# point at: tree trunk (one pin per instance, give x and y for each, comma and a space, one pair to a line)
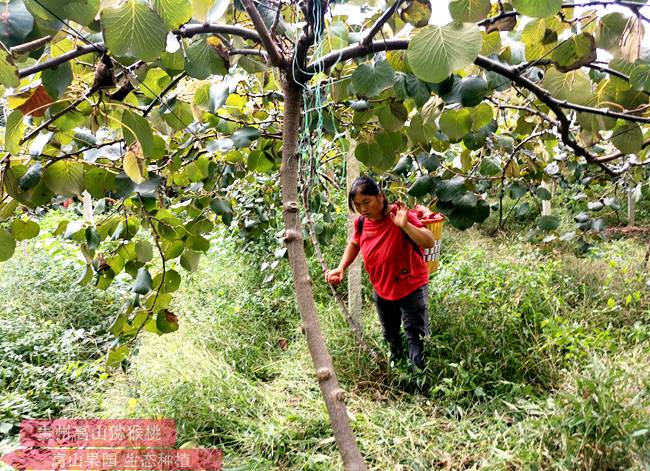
329, 385
354, 272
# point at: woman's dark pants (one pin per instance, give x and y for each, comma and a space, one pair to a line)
412, 310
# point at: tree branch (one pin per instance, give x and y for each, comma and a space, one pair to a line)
275, 56
618, 155
367, 40
171, 85
186, 31
30, 46
63, 58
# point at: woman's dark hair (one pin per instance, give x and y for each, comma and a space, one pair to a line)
365, 185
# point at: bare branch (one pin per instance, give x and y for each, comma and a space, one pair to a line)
528, 109
63, 58
275, 56
367, 40
186, 31
30, 46
618, 155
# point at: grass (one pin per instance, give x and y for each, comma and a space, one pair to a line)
537, 359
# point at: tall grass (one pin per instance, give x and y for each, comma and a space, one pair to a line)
537, 359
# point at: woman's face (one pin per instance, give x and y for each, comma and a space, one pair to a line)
369, 206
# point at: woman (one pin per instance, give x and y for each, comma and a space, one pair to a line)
389, 237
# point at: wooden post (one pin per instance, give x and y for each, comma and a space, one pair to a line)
87, 207
354, 270
546, 205
631, 207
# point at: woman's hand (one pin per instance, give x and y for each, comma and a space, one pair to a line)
335, 276
400, 219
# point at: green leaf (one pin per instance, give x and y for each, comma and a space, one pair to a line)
166, 322
421, 186
456, 123
610, 30
99, 181
260, 161
469, 11
573, 86
8, 70
134, 29
540, 37
489, 167
640, 77
144, 251
16, 23
537, 8
370, 80
575, 52
190, 260
482, 115
244, 137
543, 194
14, 131
7, 245
174, 12
198, 242
202, 61
436, 51
416, 12
79, 11
23, 230
135, 127
472, 90
171, 283
627, 137
57, 80
65, 177
548, 223
450, 189
143, 281
115, 357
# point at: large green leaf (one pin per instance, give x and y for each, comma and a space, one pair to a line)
174, 12
640, 77
578, 50
99, 181
370, 80
7, 245
134, 29
469, 11
65, 177
540, 37
456, 123
57, 80
610, 30
436, 51
23, 230
14, 130
573, 86
16, 22
627, 137
143, 281
8, 70
79, 11
537, 8
202, 60
135, 127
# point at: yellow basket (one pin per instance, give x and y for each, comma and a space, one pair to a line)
432, 255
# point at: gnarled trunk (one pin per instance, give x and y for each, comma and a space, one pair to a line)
332, 393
